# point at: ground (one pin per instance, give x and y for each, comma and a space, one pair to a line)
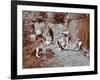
54, 58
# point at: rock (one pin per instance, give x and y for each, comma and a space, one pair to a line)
83, 31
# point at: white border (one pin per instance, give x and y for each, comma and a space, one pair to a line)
21, 71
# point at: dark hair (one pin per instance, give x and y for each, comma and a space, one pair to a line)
39, 36
51, 33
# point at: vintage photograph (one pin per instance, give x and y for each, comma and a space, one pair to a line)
55, 39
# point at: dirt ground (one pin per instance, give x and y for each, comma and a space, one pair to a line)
53, 58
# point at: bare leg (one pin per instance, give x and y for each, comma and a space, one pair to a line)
37, 53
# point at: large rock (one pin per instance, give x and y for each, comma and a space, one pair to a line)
83, 31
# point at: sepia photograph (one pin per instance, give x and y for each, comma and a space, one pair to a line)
55, 39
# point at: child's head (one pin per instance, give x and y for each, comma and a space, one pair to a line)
78, 39
39, 38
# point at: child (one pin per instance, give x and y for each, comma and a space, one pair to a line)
77, 44
64, 41
49, 36
39, 45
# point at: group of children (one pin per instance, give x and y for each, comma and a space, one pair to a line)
64, 42
45, 37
